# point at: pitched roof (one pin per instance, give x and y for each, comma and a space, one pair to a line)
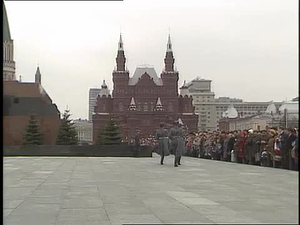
20, 106
140, 71
33, 90
290, 106
271, 109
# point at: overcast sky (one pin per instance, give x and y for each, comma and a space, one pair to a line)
248, 48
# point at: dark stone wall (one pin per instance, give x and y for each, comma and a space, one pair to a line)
90, 150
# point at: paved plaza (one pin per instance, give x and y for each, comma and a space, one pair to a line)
112, 191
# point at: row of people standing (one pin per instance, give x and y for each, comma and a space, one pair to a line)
275, 147
171, 141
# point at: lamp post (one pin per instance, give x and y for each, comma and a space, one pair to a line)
285, 117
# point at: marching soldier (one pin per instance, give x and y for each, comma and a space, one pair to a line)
180, 150
137, 143
172, 134
162, 138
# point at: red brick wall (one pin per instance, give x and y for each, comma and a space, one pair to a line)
14, 127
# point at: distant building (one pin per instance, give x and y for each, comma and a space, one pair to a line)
286, 116
211, 109
21, 100
93, 93
144, 100
256, 122
84, 130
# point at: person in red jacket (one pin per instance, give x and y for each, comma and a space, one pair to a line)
240, 145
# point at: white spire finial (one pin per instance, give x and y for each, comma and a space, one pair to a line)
132, 105
103, 85
132, 102
158, 106
120, 46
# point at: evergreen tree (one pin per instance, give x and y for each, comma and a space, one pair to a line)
100, 140
111, 135
33, 135
67, 134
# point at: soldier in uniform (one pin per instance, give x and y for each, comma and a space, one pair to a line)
137, 143
180, 148
172, 135
162, 138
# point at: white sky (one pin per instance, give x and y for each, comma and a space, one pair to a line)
249, 48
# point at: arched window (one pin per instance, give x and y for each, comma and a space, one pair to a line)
103, 106
171, 109
152, 106
146, 108
139, 106
121, 108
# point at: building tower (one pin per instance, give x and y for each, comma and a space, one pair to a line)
9, 67
184, 90
120, 74
121, 60
169, 59
104, 90
38, 76
169, 76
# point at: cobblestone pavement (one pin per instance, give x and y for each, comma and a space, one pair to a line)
112, 191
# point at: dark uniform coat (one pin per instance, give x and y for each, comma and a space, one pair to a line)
172, 136
162, 138
180, 148
249, 148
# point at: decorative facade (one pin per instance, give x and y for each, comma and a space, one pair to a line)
9, 66
143, 100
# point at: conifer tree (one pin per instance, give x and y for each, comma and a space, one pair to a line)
32, 136
111, 135
67, 134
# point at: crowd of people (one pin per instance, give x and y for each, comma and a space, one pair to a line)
273, 147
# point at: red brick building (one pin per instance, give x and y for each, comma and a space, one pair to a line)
23, 100
143, 100
20, 102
